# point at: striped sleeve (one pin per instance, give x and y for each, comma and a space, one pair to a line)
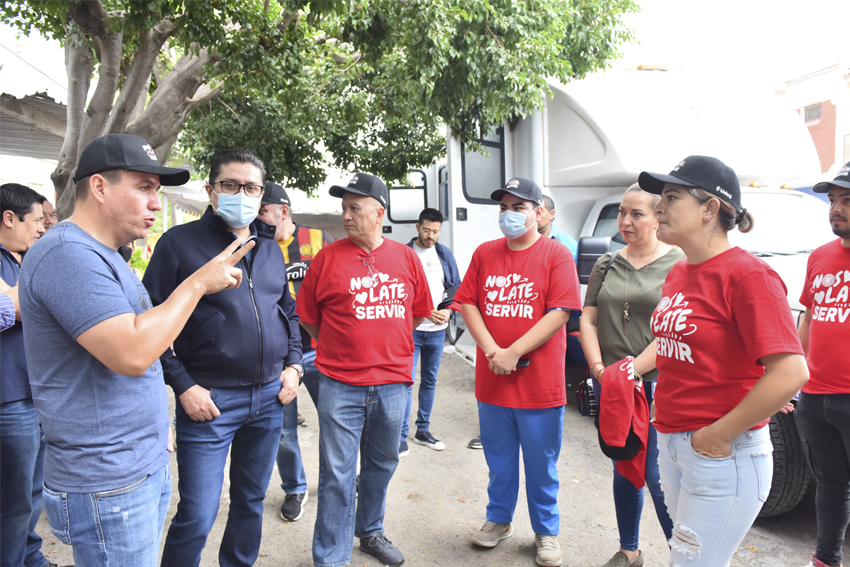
7, 312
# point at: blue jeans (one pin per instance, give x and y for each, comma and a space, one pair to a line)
538, 432
628, 500
289, 464
352, 417
22, 457
430, 345
115, 528
825, 420
713, 502
249, 427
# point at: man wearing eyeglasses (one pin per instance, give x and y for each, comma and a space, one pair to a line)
361, 299
442, 275
233, 367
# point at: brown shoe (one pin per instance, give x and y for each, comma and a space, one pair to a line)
621, 560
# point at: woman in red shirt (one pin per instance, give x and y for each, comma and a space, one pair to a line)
728, 357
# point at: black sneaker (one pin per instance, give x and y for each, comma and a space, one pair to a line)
403, 449
381, 548
425, 438
475, 443
293, 507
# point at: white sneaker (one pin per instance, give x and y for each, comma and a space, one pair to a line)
548, 550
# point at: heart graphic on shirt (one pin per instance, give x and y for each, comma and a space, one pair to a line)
383, 277
517, 277
361, 297
819, 296
492, 295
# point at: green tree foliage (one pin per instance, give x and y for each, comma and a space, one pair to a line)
368, 83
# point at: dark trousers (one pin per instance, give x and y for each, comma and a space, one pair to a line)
825, 420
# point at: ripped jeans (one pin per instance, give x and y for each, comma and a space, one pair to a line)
713, 502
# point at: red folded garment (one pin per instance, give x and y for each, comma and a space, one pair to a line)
623, 407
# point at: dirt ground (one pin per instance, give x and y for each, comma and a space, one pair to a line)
437, 500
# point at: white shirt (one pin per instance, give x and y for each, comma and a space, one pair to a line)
436, 281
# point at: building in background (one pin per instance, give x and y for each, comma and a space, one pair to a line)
822, 98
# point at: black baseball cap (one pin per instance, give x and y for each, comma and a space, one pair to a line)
274, 194
703, 172
841, 180
364, 184
126, 151
522, 188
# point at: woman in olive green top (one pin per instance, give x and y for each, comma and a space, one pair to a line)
614, 325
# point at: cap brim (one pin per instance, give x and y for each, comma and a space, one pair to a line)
168, 176
655, 182
499, 193
825, 186
338, 191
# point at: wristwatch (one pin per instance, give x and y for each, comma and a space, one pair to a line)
298, 368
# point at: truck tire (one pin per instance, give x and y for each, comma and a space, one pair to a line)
454, 332
791, 472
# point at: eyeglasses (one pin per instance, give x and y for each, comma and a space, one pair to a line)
372, 273
232, 188
429, 232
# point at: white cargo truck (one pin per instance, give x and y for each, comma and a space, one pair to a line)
591, 141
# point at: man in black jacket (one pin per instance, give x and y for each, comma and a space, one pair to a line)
234, 365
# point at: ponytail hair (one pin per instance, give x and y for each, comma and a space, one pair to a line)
727, 218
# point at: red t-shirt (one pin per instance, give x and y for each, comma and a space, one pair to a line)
826, 294
514, 290
715, 321
365, 326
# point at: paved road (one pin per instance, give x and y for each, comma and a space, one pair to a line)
437, 500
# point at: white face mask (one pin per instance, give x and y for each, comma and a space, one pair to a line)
512, 224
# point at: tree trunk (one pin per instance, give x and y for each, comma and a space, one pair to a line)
110, 50
79, 63
167, 107
135, 88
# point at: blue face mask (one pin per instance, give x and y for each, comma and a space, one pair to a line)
238, 210
512, 224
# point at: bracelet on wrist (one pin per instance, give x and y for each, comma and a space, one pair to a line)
600, 369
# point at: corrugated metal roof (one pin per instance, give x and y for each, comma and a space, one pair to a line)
19, 138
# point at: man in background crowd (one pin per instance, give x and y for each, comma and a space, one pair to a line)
823, 410
49, 214
548, 230
299, 245
21, 447
443, 278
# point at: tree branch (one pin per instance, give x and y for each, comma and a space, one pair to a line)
139, 76
203, 94
288, 19
107, 84
356, 59
227, 106
89, 15
499, 41
163, 151
79, 65
340, 59
169, 101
